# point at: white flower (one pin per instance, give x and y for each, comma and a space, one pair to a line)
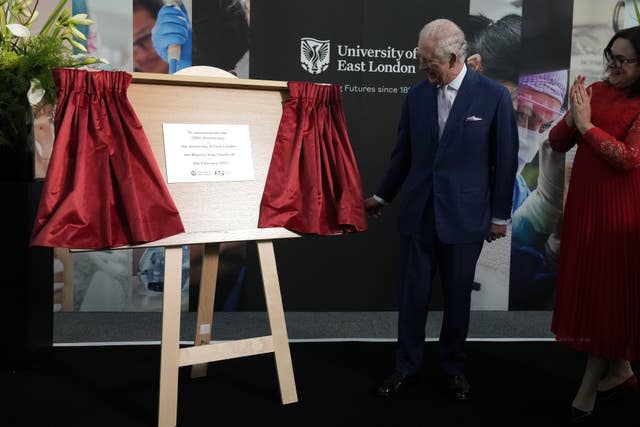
35, 93
19, 30
77, 33
81, 19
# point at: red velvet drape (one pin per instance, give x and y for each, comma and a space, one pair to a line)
103, 187
313, 185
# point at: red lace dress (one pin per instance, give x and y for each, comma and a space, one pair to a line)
598, 296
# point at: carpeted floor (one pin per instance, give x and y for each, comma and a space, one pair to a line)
513, 384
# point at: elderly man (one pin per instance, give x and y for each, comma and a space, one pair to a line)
456, 155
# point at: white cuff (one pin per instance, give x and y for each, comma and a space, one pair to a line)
380, 200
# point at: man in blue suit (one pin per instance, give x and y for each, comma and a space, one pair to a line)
456, 155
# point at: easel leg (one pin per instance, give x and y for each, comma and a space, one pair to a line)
277, 323
204, 324
169, 358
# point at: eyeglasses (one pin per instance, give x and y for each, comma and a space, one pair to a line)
536, 115
617, 61
143, 41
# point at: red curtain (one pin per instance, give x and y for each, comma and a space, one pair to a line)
103, 187
313, 185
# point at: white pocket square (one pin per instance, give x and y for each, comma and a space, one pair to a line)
473, 119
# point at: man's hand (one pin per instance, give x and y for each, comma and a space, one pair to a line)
372, 207
496, 231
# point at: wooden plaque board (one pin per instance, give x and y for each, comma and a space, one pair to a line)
213, 213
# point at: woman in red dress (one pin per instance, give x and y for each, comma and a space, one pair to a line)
597, 307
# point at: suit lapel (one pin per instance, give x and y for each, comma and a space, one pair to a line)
460, 105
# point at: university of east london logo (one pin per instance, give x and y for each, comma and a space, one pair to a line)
314, 54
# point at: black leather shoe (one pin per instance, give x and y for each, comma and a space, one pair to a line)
578, 416
628, 386
395, 383
459, 387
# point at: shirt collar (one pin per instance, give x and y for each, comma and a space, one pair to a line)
457, 82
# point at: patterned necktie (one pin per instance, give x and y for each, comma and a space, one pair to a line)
445, 101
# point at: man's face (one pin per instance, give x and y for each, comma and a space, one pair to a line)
438, 70
536, 110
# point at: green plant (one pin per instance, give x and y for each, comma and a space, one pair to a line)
26, 60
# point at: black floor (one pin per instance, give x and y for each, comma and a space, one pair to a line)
513, 384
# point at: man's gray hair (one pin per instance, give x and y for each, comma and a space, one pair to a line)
449, 39
242, 5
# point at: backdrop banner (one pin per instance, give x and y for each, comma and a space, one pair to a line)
367, 47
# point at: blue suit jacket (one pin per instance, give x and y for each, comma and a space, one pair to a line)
469, 173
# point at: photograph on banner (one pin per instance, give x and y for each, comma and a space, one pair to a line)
538, 222
221, 35
630, 15
111, 280
110, 34
493, 31
537, 209
157, 24
594, 23
110, 43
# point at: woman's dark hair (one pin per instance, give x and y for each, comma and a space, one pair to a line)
633, 35
151, 6
498, 43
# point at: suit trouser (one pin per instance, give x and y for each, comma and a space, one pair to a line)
421, 255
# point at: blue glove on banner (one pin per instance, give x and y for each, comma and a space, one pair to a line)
173, 28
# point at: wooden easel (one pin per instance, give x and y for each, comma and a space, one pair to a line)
214, 213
